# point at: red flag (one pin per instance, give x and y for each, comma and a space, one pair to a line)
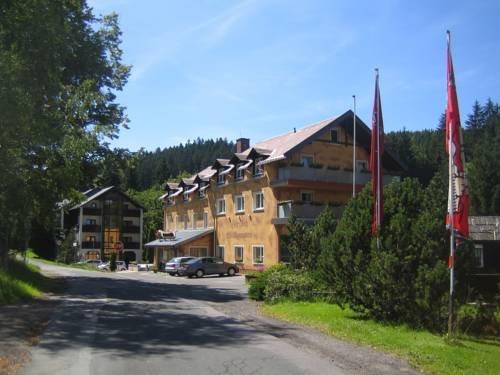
458, 196
376, 152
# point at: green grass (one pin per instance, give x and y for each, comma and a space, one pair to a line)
19, 281
30, 254
424, 350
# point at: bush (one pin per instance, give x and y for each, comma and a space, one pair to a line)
259, 281
290, 284
478, 318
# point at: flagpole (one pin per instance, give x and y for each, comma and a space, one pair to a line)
354, 150
451, 261
378, 161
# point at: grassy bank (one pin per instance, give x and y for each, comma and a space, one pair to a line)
19, 281
424, 350
32, 255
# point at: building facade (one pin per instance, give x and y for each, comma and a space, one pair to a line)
244, 203
106, 222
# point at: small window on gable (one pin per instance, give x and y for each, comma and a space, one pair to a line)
258, 170
240, 173
479, 255
185, 197
220, 206
335, 136
220, 177
307, 160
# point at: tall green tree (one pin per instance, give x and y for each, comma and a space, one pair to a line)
60, 68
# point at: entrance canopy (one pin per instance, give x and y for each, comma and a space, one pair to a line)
181, 237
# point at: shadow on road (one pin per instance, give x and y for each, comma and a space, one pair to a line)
132, 317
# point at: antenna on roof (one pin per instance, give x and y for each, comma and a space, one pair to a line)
295, 130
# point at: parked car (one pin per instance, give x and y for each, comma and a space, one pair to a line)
93, 262
120, 266
207, 266
173, 265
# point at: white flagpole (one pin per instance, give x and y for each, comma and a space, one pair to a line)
354, 150
378, 159
451, 197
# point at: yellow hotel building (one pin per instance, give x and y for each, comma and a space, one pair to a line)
238, 208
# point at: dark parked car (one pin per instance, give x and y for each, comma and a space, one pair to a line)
207, 266
172, 266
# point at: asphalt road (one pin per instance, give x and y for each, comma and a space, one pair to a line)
142, 323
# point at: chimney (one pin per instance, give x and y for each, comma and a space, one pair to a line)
242, 144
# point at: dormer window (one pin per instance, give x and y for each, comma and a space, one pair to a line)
258, 170
240, 173
170, 201
185, 197
220, 177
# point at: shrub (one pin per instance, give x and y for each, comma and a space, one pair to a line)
478, 318
258, 282
290, 284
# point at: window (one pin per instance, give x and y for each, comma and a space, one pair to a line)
205, 219
239, 203
220, 207
258, 201
258, 254
479, 255
362, 165
127, 223
240, 173
127, 239
219, 252
185, 196
90, 222
220, 177
238, 254
258, 170
335, 136
90, 239
306, 196
198, 251
170, 201
307, 160
201, 192
186, 221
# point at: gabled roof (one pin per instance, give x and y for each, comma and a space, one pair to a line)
97, 192
220, 163
181, 237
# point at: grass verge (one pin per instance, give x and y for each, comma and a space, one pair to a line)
424, 350
19, 281
30, 254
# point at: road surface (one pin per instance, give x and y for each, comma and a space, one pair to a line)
143, 323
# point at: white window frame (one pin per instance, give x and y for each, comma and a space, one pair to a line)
240, 174
236, 259
239, 198
255, 201
258, 170
218, 206
479, 255
259, 260
218, 251
202, 194
302, 192
185, 197
221, 179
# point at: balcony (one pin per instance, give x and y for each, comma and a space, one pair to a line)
131, 213
91, 245
303, 211
131, 229
92, 228
91, 211
131, 245
293, 175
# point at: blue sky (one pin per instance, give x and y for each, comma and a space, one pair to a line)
259, 68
